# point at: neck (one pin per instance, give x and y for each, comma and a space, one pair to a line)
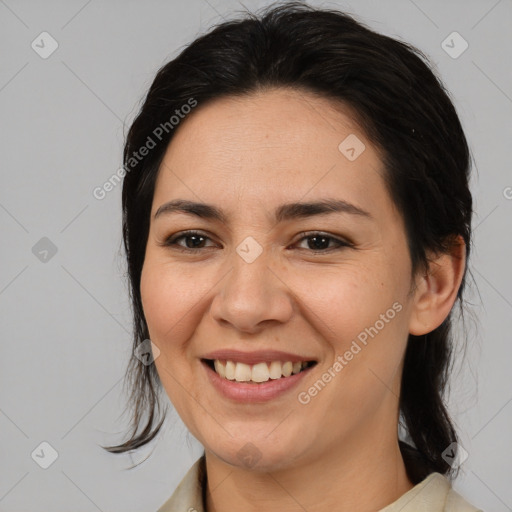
361, 475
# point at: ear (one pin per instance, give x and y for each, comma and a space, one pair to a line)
436, 291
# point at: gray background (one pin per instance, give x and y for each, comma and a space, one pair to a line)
65, 317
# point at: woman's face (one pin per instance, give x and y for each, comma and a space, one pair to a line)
271, 284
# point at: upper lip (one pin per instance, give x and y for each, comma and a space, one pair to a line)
256, 356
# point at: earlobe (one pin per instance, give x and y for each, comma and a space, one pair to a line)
436, 291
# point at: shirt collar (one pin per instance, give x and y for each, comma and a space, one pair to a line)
430, 495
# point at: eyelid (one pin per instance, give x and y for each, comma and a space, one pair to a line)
340, 241
343, 242
170, 240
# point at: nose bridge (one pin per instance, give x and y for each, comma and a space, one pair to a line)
251, 264
250, 293
248, 282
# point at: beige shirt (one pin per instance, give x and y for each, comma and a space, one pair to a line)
433, 494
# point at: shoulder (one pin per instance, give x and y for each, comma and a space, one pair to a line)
456, 503
189, 493
432, 494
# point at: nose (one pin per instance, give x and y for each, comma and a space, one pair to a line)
252, 296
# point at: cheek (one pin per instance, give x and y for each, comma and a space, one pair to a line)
154, 295
343, 301
167, 300
362, 315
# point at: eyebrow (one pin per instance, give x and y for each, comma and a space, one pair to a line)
287, 211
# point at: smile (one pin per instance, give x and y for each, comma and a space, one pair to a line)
257, 373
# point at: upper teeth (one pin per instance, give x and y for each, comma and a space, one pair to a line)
260, 372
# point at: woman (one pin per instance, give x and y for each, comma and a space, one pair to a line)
297, 223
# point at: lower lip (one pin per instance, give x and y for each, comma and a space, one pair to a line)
253, 393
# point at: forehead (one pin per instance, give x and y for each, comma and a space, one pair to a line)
280, 119
270, 147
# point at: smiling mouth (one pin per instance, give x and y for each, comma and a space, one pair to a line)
258, 373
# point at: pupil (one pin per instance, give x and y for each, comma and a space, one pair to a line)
196, 238
323, 238
323, 244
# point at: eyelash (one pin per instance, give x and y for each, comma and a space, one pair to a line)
171, 241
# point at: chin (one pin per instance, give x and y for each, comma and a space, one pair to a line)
258, 452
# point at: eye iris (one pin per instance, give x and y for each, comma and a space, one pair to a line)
315, 242
325, 242
197, 240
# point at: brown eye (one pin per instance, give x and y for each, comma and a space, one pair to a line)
320, 242
193, 240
